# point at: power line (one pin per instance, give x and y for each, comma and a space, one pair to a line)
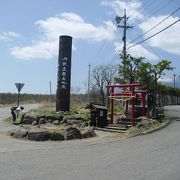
155, 25
155, 12
154, 34
148, 4
112, 61
102, 48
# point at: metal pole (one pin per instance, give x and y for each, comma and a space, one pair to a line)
143, 104
107, 96
89, 79
112, 107
18, 98
50, 91
174, 80
124, 40
133, 107
125, 27
155, 96
50, 88
148, 99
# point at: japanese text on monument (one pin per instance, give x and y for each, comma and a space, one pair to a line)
64, 73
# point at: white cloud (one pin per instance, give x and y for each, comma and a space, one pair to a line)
64, 24
169, 40
165, 79
132, 7
44, 50
8, 36
74, 25
40, 50
137, 51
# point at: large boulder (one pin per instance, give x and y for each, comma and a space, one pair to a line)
18, 132
42, 120
21, 119
38, 135
80, 118
56, 119
72, 133
34, 123
119, 118
73, 121
28, 119
88, 133
143, 123
56, 136
84, 124
64, 121
13, 131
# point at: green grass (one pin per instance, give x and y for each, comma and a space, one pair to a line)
118, 108
56, 130
50, 111
9, 120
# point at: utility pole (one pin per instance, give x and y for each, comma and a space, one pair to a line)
89, 80
50, 91
174, 75
118, 20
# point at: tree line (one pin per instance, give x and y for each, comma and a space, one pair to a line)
11, 98
130, 71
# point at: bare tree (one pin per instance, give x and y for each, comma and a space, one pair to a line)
101, 76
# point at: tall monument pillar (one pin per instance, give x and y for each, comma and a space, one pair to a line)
64, 74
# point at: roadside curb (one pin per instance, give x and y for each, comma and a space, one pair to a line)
151, 130
156, 129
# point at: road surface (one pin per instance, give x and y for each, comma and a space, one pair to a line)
5, 112
151, 157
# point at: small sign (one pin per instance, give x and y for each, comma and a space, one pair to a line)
101, 113
19, 86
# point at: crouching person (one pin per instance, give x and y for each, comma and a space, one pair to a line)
14, 112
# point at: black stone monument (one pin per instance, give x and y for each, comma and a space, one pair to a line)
64, 74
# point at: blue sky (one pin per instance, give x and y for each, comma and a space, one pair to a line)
30, 30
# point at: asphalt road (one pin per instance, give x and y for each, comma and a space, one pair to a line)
151, 157
5, 112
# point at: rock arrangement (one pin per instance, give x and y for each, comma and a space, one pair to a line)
57, 120
143, 122
55, 128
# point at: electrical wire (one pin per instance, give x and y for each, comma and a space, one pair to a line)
148, 4
155, 25
154, 34
154, 13
105, 45
115, 58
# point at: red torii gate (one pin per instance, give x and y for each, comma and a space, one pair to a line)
131, 94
